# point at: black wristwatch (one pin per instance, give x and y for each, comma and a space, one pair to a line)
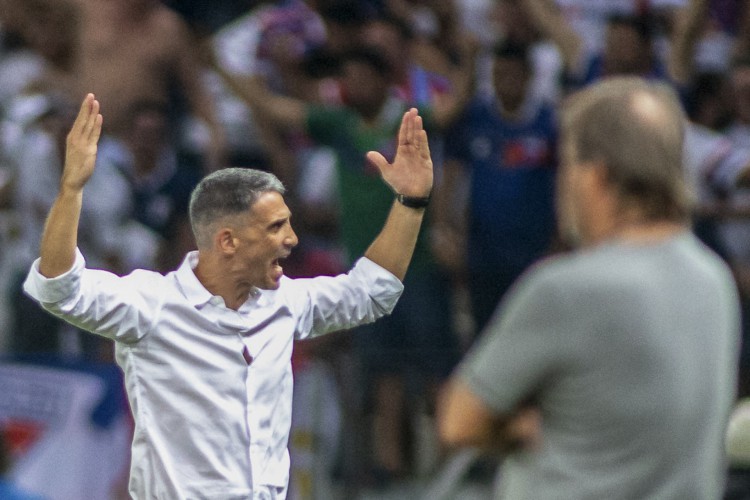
413, 201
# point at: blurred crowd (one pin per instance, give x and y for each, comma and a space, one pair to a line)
304, 89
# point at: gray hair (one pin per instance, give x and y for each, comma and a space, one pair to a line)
227, 193
636, 129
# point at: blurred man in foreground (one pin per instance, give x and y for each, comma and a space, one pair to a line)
613, 367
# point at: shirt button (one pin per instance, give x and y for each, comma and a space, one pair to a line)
216, 300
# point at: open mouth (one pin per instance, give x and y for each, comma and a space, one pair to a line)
279, 260
276, 264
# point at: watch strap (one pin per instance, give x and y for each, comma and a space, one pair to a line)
413, 201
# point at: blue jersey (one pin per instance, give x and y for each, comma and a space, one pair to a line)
512, 170
594, 70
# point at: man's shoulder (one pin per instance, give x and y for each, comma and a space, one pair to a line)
584, 269
148, 282
560, 266
614, 263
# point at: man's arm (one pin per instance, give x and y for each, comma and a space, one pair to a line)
546, 18
60, 236
465, 420
410, 175
450, 219
690, 23
448, 107
189, 69
282, 111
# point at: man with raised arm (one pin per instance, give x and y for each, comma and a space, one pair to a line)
206, 349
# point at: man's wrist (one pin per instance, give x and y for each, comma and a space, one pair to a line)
413, 201
69, 191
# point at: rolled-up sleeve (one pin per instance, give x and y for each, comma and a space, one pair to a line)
326, 304
120, 308
54, 290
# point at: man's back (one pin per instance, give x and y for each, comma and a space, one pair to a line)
633, 349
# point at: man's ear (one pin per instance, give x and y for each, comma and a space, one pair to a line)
224, 241
596, 175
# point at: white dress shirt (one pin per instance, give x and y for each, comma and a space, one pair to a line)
210, 388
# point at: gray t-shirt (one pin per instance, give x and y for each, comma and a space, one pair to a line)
630, 352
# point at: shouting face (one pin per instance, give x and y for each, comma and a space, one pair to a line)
263, 242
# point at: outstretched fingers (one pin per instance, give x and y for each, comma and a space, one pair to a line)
410, 122
92, 128
87, 126
414, 133
84, 113
402, 133
422, 143
402, 130
96, 130
409, 127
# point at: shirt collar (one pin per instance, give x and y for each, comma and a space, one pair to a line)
193, 289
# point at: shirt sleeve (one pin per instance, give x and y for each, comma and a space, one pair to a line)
327, 304
520, 348
120, 308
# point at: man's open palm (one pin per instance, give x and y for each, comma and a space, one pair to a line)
410, 173
81, 144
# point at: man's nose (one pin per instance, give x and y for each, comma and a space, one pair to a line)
291, 239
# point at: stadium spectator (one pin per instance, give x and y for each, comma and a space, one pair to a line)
138, 50
159, 178
503, 147
628, 47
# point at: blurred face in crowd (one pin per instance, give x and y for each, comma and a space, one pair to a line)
148, 133
515, 22
386, 39
365, 88
511, 78
625, 50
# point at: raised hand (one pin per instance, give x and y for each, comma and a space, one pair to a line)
81, 145
410, 173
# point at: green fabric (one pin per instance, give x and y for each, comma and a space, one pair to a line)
365, 199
